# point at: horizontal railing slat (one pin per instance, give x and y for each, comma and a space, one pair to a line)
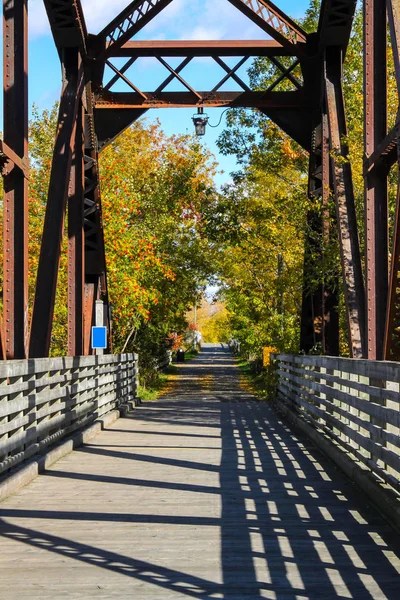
41, 400
355, 402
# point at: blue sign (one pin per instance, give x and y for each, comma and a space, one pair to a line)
99, 338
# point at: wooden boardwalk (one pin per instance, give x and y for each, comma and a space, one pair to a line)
203, 494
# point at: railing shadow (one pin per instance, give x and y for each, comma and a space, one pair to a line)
291, 526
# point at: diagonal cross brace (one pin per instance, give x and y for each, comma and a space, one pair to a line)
272, 20
129, 22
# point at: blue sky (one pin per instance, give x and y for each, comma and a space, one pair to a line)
182, 19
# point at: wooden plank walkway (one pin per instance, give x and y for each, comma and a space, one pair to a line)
206, 494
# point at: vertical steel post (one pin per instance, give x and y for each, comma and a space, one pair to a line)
76, 244
376, 200
345, 207
88, 316
393, 11
15, 231
392, 334
330, 337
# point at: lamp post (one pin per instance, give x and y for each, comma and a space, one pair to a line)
200, 121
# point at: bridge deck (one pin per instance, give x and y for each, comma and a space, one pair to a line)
203, 494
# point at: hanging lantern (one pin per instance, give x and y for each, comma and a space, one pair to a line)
200, 121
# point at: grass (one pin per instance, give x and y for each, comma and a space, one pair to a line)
258, 384
158, 386
190, 355
164, 382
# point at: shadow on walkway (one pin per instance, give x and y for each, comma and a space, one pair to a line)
290, 525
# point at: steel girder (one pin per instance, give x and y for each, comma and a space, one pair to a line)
90, 120
384, 155
14, 163
43, 307
67, 24
319, 316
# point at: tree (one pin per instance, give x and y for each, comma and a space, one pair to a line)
154, 189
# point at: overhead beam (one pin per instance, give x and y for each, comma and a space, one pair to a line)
272, 20
127, 100
205, 48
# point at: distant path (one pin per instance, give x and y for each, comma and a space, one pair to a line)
202, 494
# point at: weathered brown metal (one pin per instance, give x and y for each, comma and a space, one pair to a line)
107, 114
45, 292
112, 122
376, 200
15, 203
296, 99
391, 147
76, 258
128, 23
271, 19
385, 154
319, 315
345, 207
205, 48
90, 295
286, 74
230, 74
67, 24
392, 330
393, 11
330, 309
311, 318
335, 23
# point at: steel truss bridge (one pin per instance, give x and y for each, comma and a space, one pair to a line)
92, 115
260, 511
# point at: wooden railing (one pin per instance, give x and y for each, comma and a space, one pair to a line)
43, 400
355, 403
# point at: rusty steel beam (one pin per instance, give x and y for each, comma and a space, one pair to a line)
272, 20
127, 24
112, 122
205, 48
376, 190
345, 207
385, 153
335, 23
46, 282
9, 159
90, 295
392, 329
319, 313
311, 318
393, 11
330, 310
67, 24
15, 207
95, 257
127, 100
76, 258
